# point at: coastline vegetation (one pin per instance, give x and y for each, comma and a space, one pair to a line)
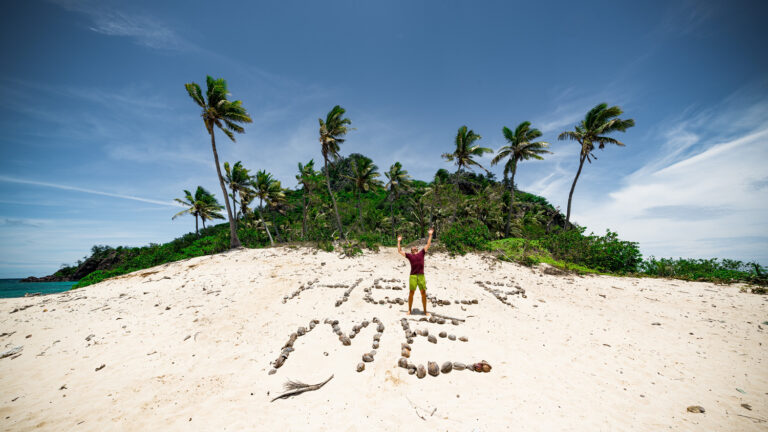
348, 205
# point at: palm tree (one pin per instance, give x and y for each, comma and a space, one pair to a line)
398, 181
306, 178
210, 208
227, 115
263, 185
465, 151
364, 173
203, 204
238, 179
520, 146
332, 130
276, 202
598, 122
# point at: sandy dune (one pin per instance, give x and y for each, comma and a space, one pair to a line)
189, 346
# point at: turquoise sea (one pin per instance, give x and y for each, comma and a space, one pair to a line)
14, 288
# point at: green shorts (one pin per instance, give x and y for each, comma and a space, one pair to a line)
417, 281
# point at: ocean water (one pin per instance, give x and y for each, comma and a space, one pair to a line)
14, 288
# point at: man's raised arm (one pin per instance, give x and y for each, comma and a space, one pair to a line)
400, 251
429, 240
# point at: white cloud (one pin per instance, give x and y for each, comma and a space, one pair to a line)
144, 30
707, 202
85, 190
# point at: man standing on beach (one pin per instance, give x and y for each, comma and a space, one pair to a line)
416, 279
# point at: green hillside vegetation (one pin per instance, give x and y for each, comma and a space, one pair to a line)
348, 203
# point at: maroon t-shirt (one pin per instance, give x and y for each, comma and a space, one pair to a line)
417, 262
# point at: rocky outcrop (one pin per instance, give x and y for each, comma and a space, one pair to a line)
106, 262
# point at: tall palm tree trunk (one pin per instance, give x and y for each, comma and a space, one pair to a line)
197, 231
234, 241
511, 204
203, 219
234, 203
261, 218
333, 199
277, 229
573, 186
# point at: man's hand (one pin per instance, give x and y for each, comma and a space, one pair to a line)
430, 231
399, 238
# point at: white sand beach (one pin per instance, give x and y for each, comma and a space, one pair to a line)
189, 346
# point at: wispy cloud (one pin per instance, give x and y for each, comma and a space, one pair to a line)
144, 30
85, 190
676, 204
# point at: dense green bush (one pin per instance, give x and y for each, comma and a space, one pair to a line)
464, 236
714, 270
604, 253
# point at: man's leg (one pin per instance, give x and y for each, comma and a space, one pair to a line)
412, 282
422, 282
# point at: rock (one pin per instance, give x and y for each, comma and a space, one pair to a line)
452, 337
405, 352
403, 362
424, 332
477, 367
459, 366
432, 339
432, 319
446, 367
405, 345
421, 372
433, 369
375, 345
364, 323
410, 340
373, 352
345, 340
455, 322
411, 371
485, 366
380, 328
352, 335
312, 325
696, 409
443, 334
441, 321
367, 358
360, 367
100, 367
377, 337
463, 339
301, 331
273, 371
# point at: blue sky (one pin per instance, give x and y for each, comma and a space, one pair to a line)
99, 135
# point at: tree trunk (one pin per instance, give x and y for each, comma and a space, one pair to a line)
333, 199
234, 204
197, 231
277, 230
573, 186
234, 241
261, 218
511, 204
203, 219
